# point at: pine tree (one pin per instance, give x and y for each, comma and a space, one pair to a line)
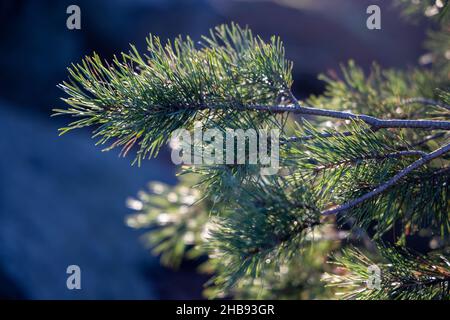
364, 166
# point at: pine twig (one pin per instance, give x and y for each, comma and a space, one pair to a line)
372, 121
381, 188
429, 138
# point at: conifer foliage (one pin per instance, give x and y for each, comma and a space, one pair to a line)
364, 166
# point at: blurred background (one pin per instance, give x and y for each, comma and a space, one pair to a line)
62, 201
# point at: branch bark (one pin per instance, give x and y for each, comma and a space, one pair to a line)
376, 123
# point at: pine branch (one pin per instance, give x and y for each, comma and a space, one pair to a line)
332, 148
341, 168
420, 201
382, 188
372, 121
381, 91
262, 229
141, 100
235, 80
428, 138
403, 275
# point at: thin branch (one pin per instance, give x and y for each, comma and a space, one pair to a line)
372, 121
294, 98
381, 188
442, 171
429, 138
349, 133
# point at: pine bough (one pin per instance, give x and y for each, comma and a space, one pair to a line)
366, 161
